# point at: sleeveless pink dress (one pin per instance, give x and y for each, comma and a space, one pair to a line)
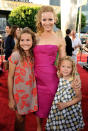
46, 77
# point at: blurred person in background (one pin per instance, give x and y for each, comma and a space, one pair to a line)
11, 41
7, 29
76, 44
85, 47
68, 41
1, 52
1, 45
7, 32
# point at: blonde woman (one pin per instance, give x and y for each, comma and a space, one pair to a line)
49, 43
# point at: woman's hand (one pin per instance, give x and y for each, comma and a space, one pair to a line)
76, 82
11, 104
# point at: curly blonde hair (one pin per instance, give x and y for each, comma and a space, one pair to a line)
18, 47
74, 69
38, 17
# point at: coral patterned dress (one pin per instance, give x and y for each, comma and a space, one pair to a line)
24, 88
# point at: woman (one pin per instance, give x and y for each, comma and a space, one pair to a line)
45, 52
11, 41
48, 45
76, 44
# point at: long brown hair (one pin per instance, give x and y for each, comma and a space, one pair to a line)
18, 47
38, 17
13, 30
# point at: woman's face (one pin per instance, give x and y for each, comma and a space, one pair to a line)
26, 42
17, 32
8, 30
47, 21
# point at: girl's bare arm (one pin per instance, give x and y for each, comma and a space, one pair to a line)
10, 84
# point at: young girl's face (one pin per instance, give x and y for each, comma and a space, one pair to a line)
47, 21
66, 68
26, 41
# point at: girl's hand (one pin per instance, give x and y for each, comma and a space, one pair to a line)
11, 104
61, 105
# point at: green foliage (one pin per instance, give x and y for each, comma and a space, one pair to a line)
58, 23
83, 20
23, 16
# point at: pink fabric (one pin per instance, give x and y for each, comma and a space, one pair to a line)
46, 77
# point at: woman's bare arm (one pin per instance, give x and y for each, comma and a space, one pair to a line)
62, 48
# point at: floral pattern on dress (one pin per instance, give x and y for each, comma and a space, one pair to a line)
24, 88
68, 119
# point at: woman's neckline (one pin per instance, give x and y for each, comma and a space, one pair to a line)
46, 45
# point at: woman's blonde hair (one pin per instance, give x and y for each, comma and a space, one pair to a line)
38, 17
18, 47
74, 69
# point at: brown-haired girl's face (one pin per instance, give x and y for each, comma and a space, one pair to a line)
66, 68
26, 42
47, 21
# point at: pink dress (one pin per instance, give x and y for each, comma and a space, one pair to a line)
46, 77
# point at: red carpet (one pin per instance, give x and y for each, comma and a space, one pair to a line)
84, 79
7, 117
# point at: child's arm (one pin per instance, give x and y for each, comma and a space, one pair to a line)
10, 85
78, 97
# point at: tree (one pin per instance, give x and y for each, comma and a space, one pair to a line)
58, 23
83, 20
23, 16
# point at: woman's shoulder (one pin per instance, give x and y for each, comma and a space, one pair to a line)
59, 33
62, 42
60, 37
